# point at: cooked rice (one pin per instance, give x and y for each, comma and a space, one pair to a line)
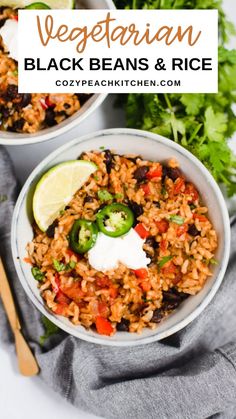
118, 295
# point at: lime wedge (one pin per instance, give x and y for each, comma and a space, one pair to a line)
56, 189
52, 4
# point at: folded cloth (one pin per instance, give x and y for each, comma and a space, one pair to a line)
189, 375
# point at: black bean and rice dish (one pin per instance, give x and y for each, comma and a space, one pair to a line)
157, 203
29, 113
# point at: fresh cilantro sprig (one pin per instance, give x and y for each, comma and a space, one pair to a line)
202, 123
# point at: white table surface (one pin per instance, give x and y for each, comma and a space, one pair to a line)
32, 398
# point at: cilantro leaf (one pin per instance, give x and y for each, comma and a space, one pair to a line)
50, 330
37, 274
177, 219
164, 260
58, 266
104, 195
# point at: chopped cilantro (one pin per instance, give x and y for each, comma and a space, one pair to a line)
177, 219
62, 267
72, 264
37, 274
104, 195
164, 260
59, 266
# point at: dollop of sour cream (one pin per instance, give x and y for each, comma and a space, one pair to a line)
109, 251
9, 35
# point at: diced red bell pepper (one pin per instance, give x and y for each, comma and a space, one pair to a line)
103, 309
163, 245
162, 226
142, 231
146, 189
154, 173
181, 230
71, 253
113, 291
145, 285
141, 273
74, 291
60, 309
103, 282
49, 103
191, 190
179, 185
56, 286
169, 268
103, 326
199, 217
62, 298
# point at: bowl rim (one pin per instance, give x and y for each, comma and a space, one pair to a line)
179, 325
57, 130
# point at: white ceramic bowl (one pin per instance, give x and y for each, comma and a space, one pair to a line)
151, 147
11, 138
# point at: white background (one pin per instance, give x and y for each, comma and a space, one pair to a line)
203, 21
24, 398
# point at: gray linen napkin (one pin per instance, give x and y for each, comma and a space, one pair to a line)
186, 376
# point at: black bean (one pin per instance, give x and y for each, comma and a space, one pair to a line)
133, 159
140, 173
193, 231
170, 305
150, 241
171, 296
5, 112
164, 173
157, 315
173, 173
17, 125
81, 156
83, 97
108, 160
136, 208
50, 117
88, 199
25, 100
182, 295
51, 229
123, 326
11, 92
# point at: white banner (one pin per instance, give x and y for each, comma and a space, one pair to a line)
118, 51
